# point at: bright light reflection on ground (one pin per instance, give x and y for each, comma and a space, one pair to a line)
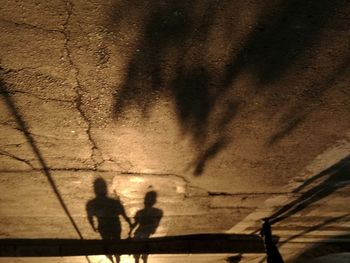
104, 259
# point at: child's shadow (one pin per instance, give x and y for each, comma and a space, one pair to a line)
147, 221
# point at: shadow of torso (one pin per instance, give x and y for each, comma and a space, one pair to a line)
148, 220
107, 211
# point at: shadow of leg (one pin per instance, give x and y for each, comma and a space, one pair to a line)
137, 258
110, 257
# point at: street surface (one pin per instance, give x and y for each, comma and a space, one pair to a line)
230, 111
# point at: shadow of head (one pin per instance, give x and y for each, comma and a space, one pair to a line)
150, 198
100, 187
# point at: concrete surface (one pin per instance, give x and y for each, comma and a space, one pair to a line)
230, 110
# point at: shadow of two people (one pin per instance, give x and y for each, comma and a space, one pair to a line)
107, 210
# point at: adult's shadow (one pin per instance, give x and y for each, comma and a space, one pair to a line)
107, 211
147, 221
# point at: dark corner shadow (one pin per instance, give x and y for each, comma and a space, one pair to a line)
170, 60
337, 177
106, 211
146, 221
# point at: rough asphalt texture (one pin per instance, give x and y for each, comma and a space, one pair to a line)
222, 107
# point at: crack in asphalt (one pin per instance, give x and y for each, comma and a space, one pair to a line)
13, 144
5, 153
39, 97
8, 124
79, 89
30, 26
31, 133
247, 193
237, 208
209, 193
5, 71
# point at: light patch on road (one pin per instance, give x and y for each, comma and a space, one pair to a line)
136, 180
180, 189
